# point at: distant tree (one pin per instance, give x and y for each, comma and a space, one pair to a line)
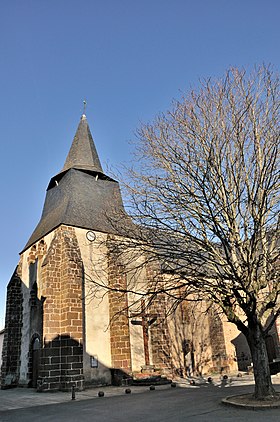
204, 194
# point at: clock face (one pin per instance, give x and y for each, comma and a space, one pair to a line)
91, 236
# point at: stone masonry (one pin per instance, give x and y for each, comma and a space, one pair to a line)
62, 281
119, 322
160, 340
12, 337
217, 341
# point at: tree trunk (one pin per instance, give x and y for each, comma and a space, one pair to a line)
263, 384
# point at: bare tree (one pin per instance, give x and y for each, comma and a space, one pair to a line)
204, 192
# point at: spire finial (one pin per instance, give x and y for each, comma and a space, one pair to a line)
84, 109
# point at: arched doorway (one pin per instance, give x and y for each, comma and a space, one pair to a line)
35, 360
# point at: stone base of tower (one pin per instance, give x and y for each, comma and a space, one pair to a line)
61, 365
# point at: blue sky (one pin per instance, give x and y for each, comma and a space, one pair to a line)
128, 58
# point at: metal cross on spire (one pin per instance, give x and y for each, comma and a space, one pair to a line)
85, 106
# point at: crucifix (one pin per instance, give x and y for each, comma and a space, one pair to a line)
146, 321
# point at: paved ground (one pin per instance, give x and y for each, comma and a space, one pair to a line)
197, 403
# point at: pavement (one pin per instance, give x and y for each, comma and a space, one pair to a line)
20, 398
201, 402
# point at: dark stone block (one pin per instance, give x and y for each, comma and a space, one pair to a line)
55, 359
54, 386
51, 380
55, 373
44, 374
72, 377
66, 366
50, 368
63, 386
51, 352
78, 350
74, 372
67, 351
64, 341
71, 359
55, 343
71, 342
77, 365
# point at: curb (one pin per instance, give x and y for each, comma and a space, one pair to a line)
230, 401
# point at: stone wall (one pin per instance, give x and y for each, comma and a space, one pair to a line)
159, 331
118, 312
12, 337
96, 343
1, 345
61, 280
217, 341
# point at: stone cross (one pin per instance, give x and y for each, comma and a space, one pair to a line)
146, 321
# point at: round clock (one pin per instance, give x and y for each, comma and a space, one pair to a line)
91, 236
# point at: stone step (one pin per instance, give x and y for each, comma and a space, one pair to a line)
150, 380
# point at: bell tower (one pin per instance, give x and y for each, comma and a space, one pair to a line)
47, 289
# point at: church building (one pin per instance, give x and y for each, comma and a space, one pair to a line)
64, 327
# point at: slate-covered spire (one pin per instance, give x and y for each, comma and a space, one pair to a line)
81, 195
83, 154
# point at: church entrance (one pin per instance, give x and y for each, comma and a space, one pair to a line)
35, 360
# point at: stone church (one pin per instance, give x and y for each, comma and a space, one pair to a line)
64, 327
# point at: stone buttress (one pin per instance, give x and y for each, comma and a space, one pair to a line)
61, 363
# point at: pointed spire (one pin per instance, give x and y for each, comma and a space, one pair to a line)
83, 154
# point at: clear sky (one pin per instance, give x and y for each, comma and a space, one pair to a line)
128, 58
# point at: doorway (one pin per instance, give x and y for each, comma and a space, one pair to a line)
35, 361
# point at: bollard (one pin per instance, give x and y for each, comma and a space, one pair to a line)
73, 392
